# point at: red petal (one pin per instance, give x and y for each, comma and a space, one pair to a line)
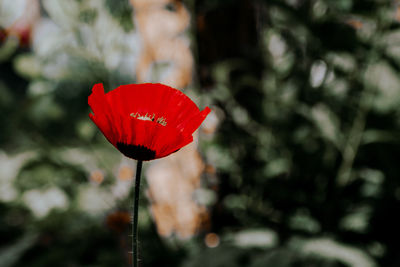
192, 123
169, 140
102, 116
158, 99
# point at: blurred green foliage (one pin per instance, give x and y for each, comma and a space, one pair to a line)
309, 141
306, 152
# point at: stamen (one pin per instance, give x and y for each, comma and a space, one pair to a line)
147, 117
162, 121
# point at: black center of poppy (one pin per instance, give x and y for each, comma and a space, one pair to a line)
137, 152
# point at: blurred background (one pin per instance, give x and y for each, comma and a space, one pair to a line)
297, 165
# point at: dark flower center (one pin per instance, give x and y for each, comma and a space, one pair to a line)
137, 152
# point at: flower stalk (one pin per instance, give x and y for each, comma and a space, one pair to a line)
135, 215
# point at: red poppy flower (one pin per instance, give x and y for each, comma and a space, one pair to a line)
145, 121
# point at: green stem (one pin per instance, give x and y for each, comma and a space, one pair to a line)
135, 215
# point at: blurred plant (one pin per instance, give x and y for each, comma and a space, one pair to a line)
18, 19
310, 104
161, 24
300, 162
